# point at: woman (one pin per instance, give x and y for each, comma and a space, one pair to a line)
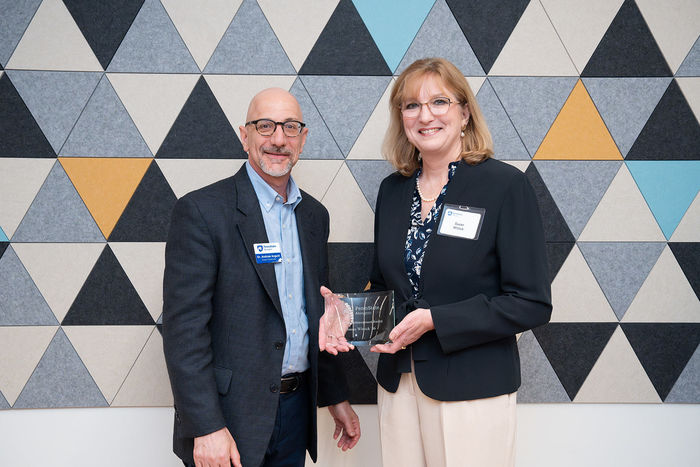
458, 237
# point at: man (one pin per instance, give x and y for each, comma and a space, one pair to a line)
244, 262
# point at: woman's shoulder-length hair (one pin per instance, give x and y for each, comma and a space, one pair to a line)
477, 144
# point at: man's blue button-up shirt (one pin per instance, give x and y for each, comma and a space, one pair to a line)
281, 227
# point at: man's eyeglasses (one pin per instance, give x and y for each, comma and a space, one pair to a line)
267, 127
437, 106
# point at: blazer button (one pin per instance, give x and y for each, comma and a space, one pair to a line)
274, 388
278, 345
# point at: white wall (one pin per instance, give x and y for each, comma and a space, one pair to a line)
556, 435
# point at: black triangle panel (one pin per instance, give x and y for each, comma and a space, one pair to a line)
555, 227
361, 382
672, 131
573, 349
20, 135
627, 49
104, 24
557, 252
487, 25
107, 297
688, 256
349, 266
202, 131
663, 350
345, 47
146, 217
3, 247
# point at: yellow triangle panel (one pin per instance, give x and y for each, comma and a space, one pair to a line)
578, 133
105, 184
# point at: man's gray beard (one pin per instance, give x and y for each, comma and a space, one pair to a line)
273, 173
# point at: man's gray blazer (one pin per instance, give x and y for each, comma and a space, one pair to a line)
223, 330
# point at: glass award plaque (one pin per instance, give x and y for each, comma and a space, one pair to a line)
365, 318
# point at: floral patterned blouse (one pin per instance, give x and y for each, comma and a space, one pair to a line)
419, 231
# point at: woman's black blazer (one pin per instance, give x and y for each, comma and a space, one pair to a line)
481, 293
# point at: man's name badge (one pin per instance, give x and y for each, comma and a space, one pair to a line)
267, 253
461, 221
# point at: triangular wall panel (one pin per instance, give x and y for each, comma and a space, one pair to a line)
578, 132
152, 45
249, 46
688, 229
201, 130
21, 303
687, 386
691, 64
393, 29
147, 215
352, 219
53, 41
688, 257
369, 174
13, 22
671, 133
20, 181
441, 36
105, 128
368, 144
507, 144
185, 175
58, 214
60, 380
316, 176
334, 54
628, 48
539, 381
320, 143
144, 264
107, 297
104, 24
555, 227
664, 349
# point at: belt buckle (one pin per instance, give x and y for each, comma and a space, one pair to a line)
293, 381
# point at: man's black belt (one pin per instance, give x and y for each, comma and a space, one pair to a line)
291, 382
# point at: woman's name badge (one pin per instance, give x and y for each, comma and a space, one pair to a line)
267, 253
461, 221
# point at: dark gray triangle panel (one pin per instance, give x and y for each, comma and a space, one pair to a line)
60, 380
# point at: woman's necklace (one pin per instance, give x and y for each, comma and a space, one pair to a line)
420, 193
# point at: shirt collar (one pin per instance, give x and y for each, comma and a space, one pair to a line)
267, 195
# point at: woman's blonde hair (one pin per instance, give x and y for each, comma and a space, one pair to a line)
476, 142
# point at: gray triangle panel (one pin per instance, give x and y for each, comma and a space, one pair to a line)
625, 104
539, 381
507, 144
663, 349
441, 36
104, 24
319, 142
55, 98
249, 46
60, 380
621, 268
691, 63
153, 45
628, 48
21, 303
369, 174
687, 387
577, 187
201, 130
107, 297
105, 128
671, 133
572, 349
336, 98
15, 17
20, 135
345, 47
58, 214
3, 402
487, 25
532, 103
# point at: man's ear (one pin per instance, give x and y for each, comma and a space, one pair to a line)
244, 137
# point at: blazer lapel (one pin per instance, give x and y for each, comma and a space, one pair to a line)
252, 229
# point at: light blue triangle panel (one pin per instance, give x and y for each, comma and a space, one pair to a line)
3, 237
668, 187
393, 29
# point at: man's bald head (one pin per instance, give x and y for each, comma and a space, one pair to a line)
273, 97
